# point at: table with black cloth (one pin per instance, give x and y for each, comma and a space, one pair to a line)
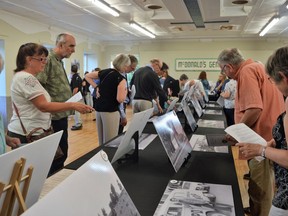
146, 180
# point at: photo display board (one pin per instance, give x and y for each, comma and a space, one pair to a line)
173, 138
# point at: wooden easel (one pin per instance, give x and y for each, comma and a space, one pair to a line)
13, 191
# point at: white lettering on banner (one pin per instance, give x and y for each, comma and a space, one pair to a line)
196, 64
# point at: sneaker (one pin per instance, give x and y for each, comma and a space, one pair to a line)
74, 127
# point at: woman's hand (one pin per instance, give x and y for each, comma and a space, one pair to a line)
12, 141
248, 150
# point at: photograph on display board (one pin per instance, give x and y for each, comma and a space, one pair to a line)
194, 198
189, 116
144, 140
137, 124
210, 123
93, 189
173, 138
199, 143
37, 156
197, 106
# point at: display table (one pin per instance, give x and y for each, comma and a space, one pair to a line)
146, 180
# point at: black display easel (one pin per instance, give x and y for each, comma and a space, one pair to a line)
134, 156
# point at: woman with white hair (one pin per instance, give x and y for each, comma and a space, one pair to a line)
111, 91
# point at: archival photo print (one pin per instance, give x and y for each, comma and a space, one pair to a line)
199, 143
210, 123
183, 198
144, 140
213, 112
173, 138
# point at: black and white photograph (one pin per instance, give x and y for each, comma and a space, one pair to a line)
197, 106
199, 143
144, 140
210, 123
185, 198
173, 138
212, 105
137, 125
213, 112
189, 116
97, 190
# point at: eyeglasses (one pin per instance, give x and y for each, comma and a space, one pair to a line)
271, 80
222, 70
43, 60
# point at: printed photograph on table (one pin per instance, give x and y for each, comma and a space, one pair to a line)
213, 112
128, 143
212, 105
185, 198
173, 138
210, 123
144, 140
199, 143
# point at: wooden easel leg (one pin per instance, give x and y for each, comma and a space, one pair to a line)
13, 190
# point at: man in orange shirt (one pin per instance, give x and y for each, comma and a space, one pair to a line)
258, 103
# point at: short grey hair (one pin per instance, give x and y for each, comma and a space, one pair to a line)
230, 56
61, 38
120, 62
277, 62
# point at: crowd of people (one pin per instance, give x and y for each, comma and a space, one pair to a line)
250, 90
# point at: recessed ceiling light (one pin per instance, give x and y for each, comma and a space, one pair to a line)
240, 2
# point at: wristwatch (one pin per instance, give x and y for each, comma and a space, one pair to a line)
263, 151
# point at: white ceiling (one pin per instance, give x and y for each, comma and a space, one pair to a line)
222, 19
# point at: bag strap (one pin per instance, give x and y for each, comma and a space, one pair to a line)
17, 112
107, 76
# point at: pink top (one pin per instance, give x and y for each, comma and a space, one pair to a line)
254, 90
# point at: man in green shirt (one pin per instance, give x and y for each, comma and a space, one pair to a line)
54, 79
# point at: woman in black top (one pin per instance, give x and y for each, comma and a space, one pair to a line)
111, 91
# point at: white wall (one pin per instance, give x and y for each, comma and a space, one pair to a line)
168, 51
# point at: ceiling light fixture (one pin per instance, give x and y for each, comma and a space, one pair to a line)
141, 29
269, 25
106, 7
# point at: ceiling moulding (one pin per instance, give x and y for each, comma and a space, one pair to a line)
23, 24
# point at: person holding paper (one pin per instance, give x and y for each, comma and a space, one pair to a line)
276, 149
258, 103
30, 98
54, 79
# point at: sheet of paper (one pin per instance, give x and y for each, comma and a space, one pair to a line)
75, 98
243, 134
220, 101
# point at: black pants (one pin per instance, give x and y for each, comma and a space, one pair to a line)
58, 125
229, 114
